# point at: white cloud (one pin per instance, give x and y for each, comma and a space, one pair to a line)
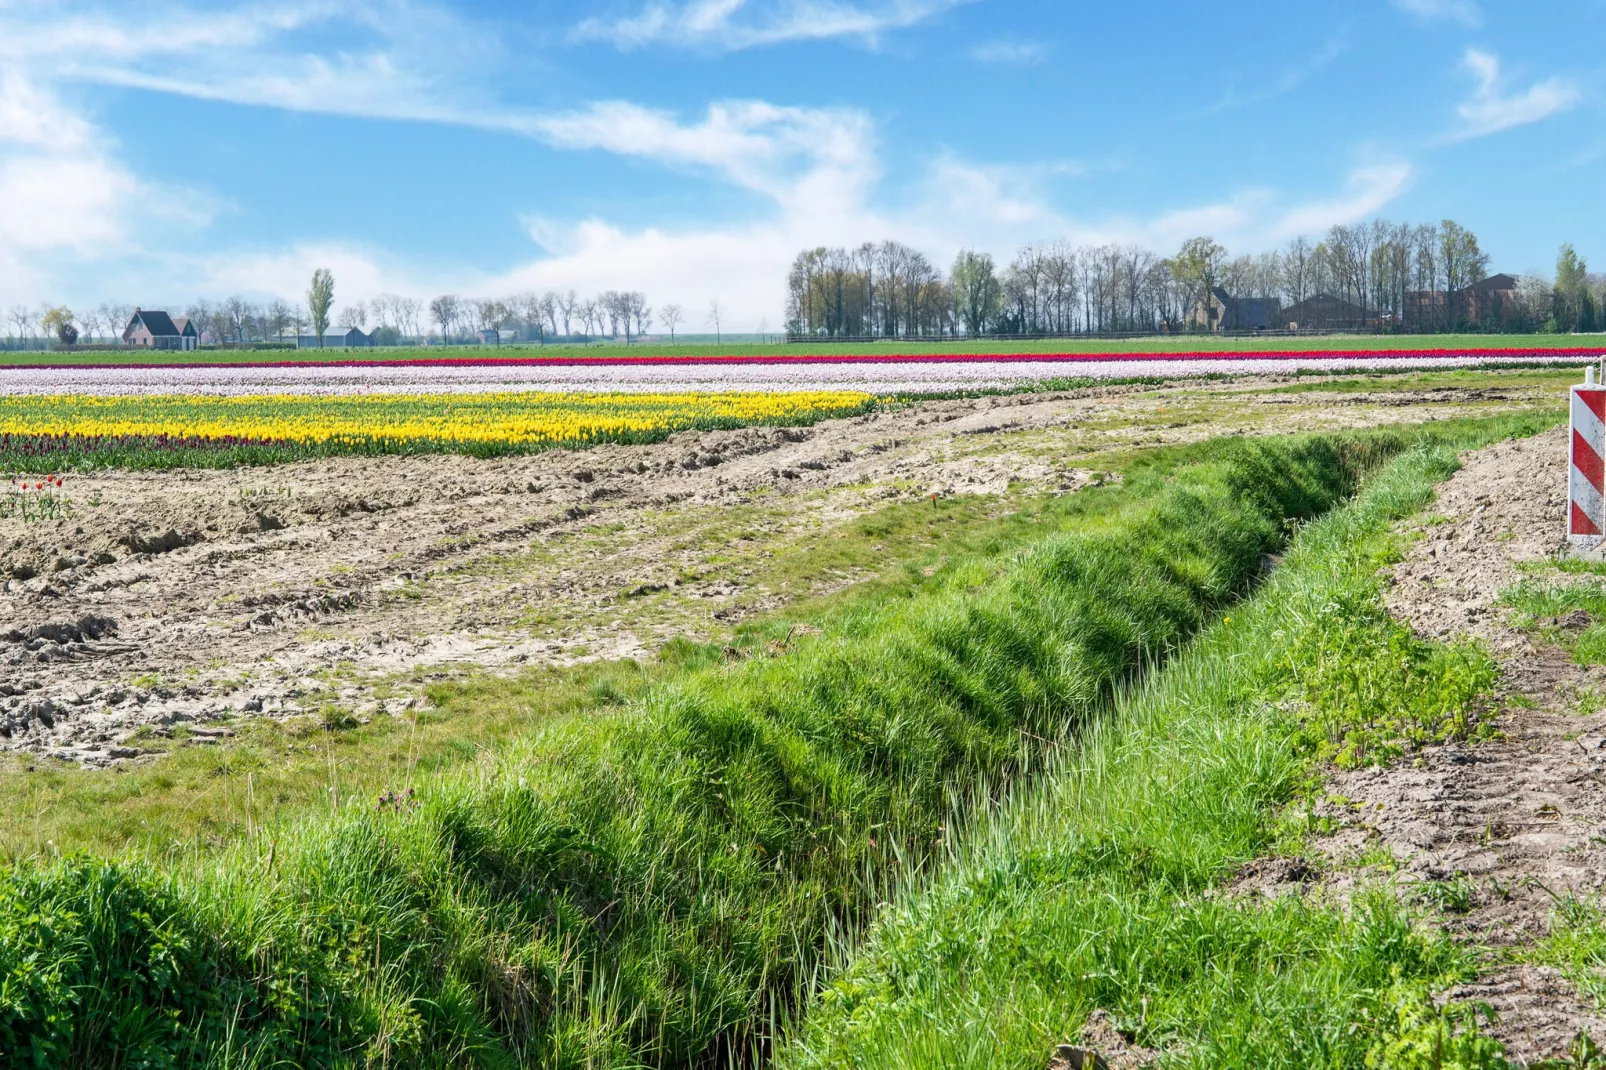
64, 193
397, 59
1487, 111
1367, 192
1466, 12
732, 25
816, 171
823, 156
1017, 53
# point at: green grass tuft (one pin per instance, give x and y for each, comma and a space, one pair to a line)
1573, 615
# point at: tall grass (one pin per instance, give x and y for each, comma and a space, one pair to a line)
646, 885
1104, 884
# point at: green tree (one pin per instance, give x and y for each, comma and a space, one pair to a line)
1572, 289
1461, 263
977, 294
320, 298
58, 321
1194, 270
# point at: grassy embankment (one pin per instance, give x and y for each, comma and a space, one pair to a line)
647, 880
1203, 343
1107, 884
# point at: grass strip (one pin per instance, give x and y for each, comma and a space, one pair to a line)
1107, 884
646, 886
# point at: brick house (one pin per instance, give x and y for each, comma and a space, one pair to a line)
152, 329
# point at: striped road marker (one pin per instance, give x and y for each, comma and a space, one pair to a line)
1586, 480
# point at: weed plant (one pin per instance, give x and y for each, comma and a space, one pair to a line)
1108, 883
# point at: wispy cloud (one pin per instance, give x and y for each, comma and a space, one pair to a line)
398, 59
1018, 53
1466, 12
823, 156
1367, 191
1290, 79
734, 25
1490, 110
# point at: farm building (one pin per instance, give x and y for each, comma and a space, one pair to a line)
1324, 312
490, 337
1218, 310
153, 329
1487, 303
335, 338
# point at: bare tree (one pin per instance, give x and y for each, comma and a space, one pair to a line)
1296, 270
716, 315
235, 310
91, 324
21, 317
445, 310
279, 317
672, 315
116, 317
407, 310
636, 308
528, 307
496, 314
565, 304
549, 309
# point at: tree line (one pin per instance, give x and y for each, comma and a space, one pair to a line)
394, 319
1389, 275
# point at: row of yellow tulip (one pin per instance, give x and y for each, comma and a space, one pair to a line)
512, 419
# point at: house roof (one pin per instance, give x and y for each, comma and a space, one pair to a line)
1495, 282
332, 332
1242, 302
182, 323
160, 324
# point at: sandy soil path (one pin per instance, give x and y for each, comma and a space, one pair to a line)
1523, 819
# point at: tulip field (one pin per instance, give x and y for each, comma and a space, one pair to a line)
158, 430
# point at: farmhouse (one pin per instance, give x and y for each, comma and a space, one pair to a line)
153, 329
1218, 310
1324, 312
1489, 302
335, 338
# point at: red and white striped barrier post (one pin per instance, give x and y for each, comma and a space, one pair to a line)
1586, 475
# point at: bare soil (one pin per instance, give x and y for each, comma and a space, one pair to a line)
1519, 820
197, 597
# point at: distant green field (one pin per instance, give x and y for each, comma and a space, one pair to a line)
1157, 344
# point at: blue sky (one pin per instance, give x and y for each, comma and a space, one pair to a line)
153, 153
